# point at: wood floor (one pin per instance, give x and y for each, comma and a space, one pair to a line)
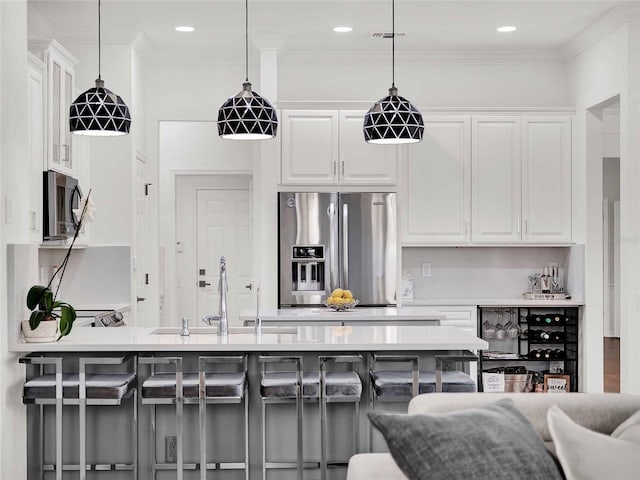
611, 364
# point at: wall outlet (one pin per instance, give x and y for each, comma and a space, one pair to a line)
426, 269
170, 449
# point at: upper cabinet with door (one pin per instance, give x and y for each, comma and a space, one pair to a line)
546, 179
436, 181
488, 180
36, 86
60, 65
496, 185
327, 147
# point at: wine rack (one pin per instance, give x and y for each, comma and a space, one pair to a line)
538, 340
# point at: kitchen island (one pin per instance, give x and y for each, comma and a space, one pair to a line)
108, 426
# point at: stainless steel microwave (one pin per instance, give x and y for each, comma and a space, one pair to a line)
61, 195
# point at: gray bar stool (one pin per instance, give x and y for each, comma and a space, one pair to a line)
201, 388
402, 385
299, 386
82, 389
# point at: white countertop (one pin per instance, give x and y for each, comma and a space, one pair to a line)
492, 302
309, 339
302, 314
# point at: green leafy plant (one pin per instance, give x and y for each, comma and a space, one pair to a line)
43, 302
40, 300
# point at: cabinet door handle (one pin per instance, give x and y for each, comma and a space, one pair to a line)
334, 167
343, 168
526, 226
518, 226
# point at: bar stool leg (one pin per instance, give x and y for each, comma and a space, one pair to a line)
246, 432
135, 432
323, 421
179, 413
202, 407
154, 456
59, 397
82, 420
300, 412
264, 439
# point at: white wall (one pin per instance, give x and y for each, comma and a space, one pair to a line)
190, 148
480, 272
426, 85
112, 158
608, 68
13, 153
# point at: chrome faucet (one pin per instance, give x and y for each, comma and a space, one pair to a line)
185, 327
221, 319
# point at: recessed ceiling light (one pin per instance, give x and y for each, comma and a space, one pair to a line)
184, 28
506, 29
342, 29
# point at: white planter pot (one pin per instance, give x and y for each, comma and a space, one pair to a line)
46, 332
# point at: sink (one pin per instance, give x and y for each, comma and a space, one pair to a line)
232, 330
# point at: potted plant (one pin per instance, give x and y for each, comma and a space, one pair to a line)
50, 318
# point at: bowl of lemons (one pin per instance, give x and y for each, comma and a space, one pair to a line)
341, 300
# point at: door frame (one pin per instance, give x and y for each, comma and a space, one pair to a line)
171, 275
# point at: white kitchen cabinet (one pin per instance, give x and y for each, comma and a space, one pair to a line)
363, 163
60, 65
309, 147
327, 147
546, 179
436, 183
36, 86
496, 180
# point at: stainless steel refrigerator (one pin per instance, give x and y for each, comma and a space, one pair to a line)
331, 240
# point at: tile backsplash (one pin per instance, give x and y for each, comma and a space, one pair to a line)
486, 272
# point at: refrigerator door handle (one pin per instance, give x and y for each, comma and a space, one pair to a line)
333, 248
345, 246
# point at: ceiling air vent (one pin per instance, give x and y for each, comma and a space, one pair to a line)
387, 35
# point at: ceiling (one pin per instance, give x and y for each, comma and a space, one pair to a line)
306, 25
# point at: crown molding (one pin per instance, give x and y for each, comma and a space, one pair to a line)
599, 29
143, 46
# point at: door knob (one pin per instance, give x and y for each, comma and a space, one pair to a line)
203, 283
250, 286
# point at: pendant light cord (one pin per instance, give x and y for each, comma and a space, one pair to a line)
99, 43
246, 40
393, 43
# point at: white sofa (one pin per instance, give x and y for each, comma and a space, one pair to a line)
599, 412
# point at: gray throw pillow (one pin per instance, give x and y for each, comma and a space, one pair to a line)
494, 442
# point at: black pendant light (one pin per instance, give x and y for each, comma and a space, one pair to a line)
393, 119
247, 115
99, 111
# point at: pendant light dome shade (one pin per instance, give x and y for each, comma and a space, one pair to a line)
99, 112
247, 116
393, 120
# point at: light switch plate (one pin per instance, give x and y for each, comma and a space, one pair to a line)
426, 269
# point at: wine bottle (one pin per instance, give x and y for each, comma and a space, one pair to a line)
547, 354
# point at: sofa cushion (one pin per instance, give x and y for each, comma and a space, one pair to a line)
602, 412
588, 455
378, 466
494, 441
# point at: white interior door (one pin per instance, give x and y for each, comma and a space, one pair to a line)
139, 259
223, 220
